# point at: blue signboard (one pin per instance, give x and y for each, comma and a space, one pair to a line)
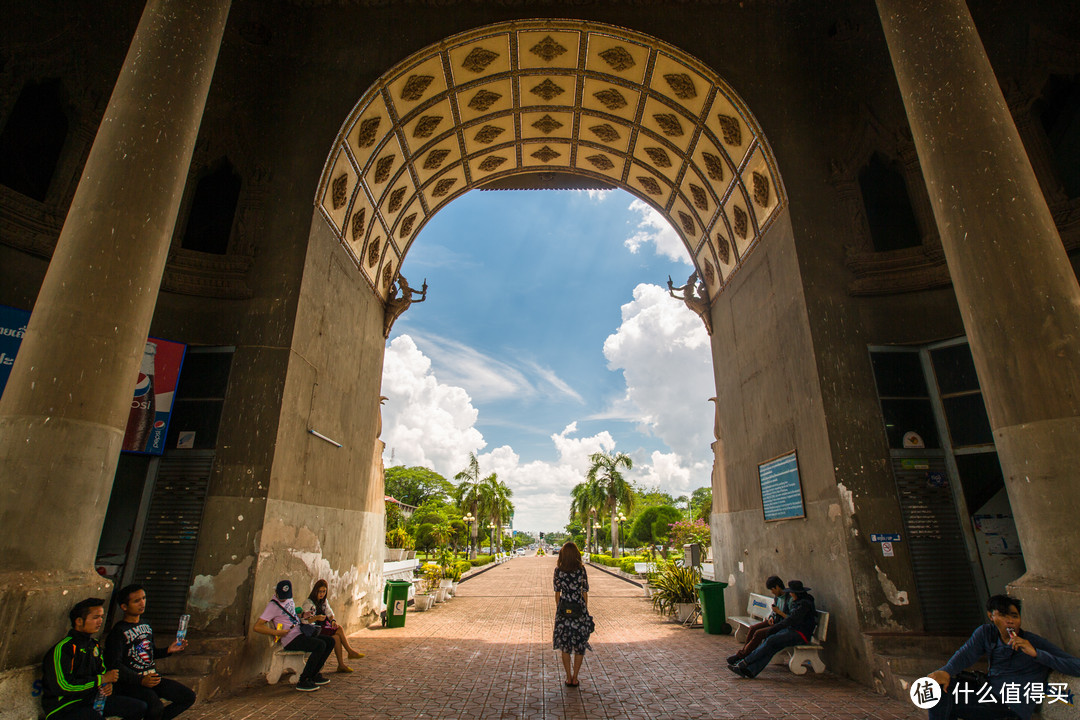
781, 489
884, 537
12, 328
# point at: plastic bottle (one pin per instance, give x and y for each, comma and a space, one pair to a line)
99, 702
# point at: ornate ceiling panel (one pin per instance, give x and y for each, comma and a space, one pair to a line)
551, 96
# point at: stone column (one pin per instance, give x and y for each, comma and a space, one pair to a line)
65, 408
1016, 290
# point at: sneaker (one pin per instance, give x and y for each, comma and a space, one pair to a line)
740, 669
732, 659
306, 685
320, 679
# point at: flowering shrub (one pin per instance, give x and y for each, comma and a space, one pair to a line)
684, 532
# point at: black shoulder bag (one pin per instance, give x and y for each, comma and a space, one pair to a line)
569, 609
306, 629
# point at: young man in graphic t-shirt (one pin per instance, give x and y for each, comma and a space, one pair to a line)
130, 647
281, 620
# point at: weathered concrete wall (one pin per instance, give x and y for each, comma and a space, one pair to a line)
324, 507
770, 403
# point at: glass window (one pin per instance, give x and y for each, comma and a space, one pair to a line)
213, 208
32, 139
954, 369
967, 420
981, 477
204, 375
904, 416
899, 374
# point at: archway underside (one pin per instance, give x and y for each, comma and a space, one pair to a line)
550, 96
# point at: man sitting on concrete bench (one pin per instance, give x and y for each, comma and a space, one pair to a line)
280, 620
796, 629
757, 632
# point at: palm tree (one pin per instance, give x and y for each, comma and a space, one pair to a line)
495, 505
468, 494
583, 501
615, 491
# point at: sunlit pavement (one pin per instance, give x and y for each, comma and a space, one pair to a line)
487, 654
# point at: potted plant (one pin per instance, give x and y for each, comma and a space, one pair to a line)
399, 541
454, 575
675, 591
422, 601
433, 576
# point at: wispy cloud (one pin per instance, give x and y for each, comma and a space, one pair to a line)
487, 378
653, 229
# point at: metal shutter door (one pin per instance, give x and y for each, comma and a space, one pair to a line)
939, 558
167, 553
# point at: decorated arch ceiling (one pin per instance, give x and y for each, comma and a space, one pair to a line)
550, 96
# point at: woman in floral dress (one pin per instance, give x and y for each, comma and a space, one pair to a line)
571, 636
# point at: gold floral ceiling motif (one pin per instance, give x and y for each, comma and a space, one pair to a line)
550, 95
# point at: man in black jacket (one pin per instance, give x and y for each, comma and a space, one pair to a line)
796, 629
73, 672
130, 648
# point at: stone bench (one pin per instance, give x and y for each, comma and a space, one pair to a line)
283, 662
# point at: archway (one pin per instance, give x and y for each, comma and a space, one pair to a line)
553, 97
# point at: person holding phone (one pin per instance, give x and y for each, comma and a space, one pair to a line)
317, 610
130, 648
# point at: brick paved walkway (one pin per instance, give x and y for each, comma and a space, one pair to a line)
487, 654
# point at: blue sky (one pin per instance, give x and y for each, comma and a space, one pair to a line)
548, 335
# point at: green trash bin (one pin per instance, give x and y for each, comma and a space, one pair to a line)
396, 598
713, 612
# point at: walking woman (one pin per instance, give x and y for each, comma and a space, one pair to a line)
317, 610
573, 624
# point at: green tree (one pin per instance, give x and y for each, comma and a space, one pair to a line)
701, 503
643, 528
415, 485
469, 494
495, 504
585, 499
615, 490
661, 526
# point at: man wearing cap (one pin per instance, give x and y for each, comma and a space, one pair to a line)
281, 620
796, 629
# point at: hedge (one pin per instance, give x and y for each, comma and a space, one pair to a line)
481, 560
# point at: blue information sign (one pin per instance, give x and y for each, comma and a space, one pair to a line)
884, 537
781, 490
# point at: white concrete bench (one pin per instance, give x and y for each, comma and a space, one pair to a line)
758, 607
644, 568
798, 657
283, 662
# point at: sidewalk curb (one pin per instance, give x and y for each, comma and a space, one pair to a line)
604, 568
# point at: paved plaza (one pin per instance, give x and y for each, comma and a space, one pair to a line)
487, 654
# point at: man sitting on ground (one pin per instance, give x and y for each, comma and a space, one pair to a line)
73, 672
1017, 658
759, 631
280, 620
796, 629
130, 648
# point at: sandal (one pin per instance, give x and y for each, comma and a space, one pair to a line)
344, 669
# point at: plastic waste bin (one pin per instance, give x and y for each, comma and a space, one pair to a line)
713, 612
396, 598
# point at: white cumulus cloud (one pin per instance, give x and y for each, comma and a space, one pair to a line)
425, 422
653, 228
664, 354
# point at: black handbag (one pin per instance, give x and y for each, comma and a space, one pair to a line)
306, 629
569, 609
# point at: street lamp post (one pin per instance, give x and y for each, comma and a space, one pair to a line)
469, 520
621, 520
491, 537
597, 527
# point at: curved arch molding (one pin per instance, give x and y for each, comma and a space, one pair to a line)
550, 96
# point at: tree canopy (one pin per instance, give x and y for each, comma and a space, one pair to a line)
415, 485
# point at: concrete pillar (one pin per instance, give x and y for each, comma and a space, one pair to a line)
63, 414
1015, 287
